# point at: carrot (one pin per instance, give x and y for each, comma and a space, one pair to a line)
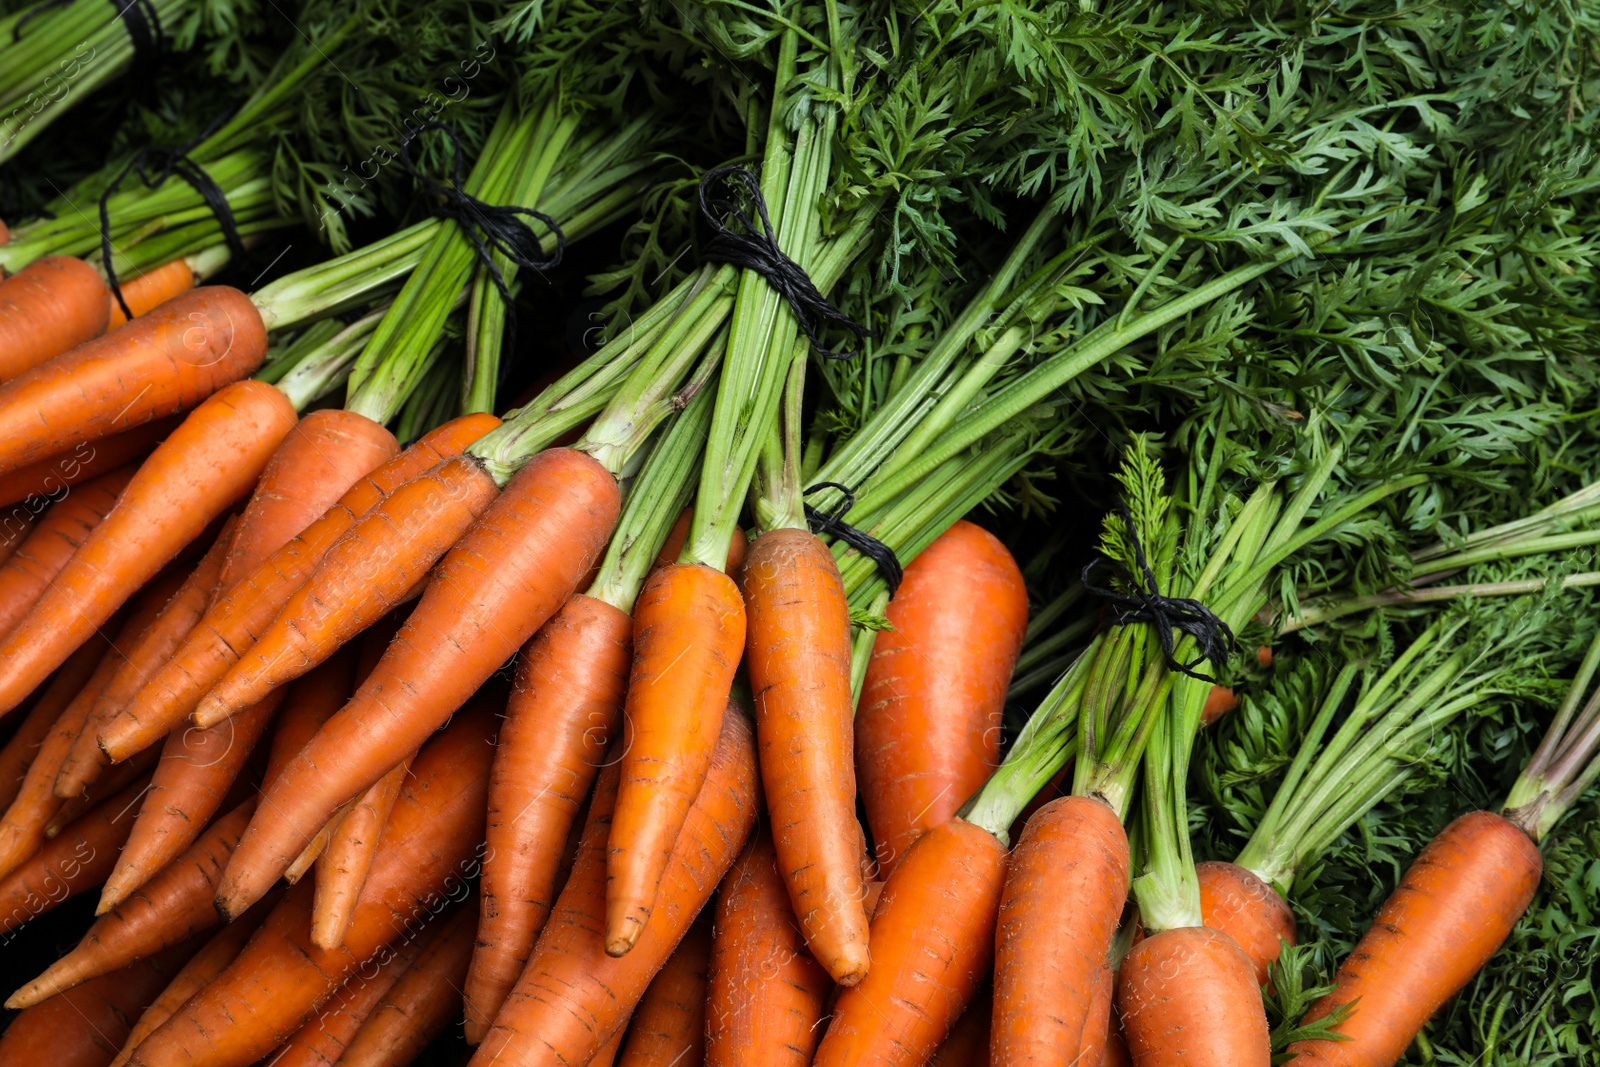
280, 978
53, 304
1221, 700
1065, 887
1453, 909
932, 943
1248, 910
574, 997
1188, 995
928, 724
232, 623
1103, 1045
968, 1043
673, 545
515, 569
425, 1000
669, 1025
198, 472
342, 866
70, 863
150, 290
174, 905
15, 526
83, 461
165, 362
74, 808
766, 997
798, 654
688, 634
310, 702
35, 730
565, 704
54, 540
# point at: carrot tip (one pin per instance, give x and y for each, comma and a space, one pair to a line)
621, 944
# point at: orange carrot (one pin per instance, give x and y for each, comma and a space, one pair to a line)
53, 304
932, 943
342, 867
765, 1002
928, 724
1065, 887
71, 863
310, 702
1103, 1045
968, 1043
1453, 909
150, 290
54, 539
688, 635
84, 461
669, 1025
1248, 910
425, 1000
565, 704
198, 472
574, 997
74, 808
57, 694
798, 655
232, 624
514, 570
163, 363
15, 526
609, 1051
1221, 700
1188, 995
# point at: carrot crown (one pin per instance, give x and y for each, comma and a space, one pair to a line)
1567, 761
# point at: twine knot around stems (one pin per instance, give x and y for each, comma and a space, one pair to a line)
757, 249
1144, 602
834, 526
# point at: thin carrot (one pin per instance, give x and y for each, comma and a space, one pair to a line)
198, 472
163, 363
84, 461
425, 1000
73, 808
509, 574
669, 1025
574, 997
54, 539
71, 863
310, 702
1103, 1044
928, 724
57, 694
150, 290
342, 867
232, 624
767, 994
1188, 995
54, 304
1248, 910
968, 1043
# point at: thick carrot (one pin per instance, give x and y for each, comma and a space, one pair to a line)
162, 363
798, 654
968, 1043
932, 944
54, 304
310, 702
232, 624
669, 1025
280, 978
1453, 909
199, 471
24, 746
69, 864
1188, 996
1248, 910
1065, 887
672, 547
509, 574
928, 724
425, 1000
53, 542
574, 997
150, 290
342, 867
609, 1051
688, 635
84, 461
767, 994
565, 705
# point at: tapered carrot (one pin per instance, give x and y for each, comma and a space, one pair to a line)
1064, 891
53, 541
798, 656
342, 866
767, 994
160, 364
65, 684
1188, 995
15, 526
689, 634
232, 624
1455, 906
1103, 1045
199, 471
74, 808
574, 997
84, 461
150, 290
932, 943
669, 1025
71, 863
928, 724
425, 1000
53, 304
565, 705
968, 1043
309, 703
1247, 909
509, 574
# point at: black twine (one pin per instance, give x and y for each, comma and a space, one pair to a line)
1144, 603
144, 30
490, 227
34, 12
834, 526
757, 249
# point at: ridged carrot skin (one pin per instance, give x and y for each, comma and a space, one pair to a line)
425, 1000
54, 304
1248, 910
74, 808
928, 724
70, 863
509, 574
968, 1043
56, 695
15, 526
149, 290
160, 364
688, 637
1188, 998
84, 462
767, 994
310, 702
342, 867
1453, 909
53, 541
669, 1025
1065, 888
797, 651
932, 945
243, 612
1103, 1045
199, 471
565, 706
174, 905
574, 998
